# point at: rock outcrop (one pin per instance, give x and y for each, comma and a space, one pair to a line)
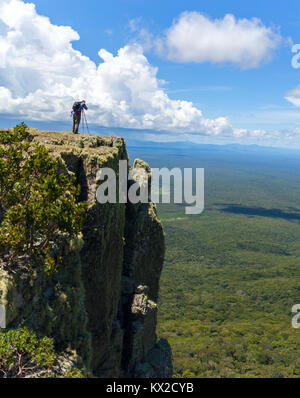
102, 302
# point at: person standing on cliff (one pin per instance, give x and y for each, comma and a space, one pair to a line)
78, 107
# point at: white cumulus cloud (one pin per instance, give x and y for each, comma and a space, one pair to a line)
41, 74
194, 37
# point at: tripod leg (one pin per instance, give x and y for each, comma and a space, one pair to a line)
86, 123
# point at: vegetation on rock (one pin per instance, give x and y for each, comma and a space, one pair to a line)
38, 205
24, 354
41, 228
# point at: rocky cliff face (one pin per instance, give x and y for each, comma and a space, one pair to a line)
102, 302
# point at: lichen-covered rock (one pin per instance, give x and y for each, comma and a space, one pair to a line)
53, 305
145, 246
9, 297
140, 332
101, 303
102, 252
143, 261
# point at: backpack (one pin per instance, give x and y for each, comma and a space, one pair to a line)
76, 106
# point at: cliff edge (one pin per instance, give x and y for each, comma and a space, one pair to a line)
101, 304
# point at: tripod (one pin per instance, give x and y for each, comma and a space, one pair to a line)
84, 122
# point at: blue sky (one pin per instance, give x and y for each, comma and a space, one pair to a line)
250, 95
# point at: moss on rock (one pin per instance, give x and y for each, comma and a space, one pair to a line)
93, 305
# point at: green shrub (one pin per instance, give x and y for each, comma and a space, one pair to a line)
38, 205
24, 354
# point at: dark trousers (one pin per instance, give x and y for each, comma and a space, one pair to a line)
76, 122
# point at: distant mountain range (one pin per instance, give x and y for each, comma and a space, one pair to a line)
132, 137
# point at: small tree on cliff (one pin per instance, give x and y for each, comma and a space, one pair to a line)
38, 205
25, 354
